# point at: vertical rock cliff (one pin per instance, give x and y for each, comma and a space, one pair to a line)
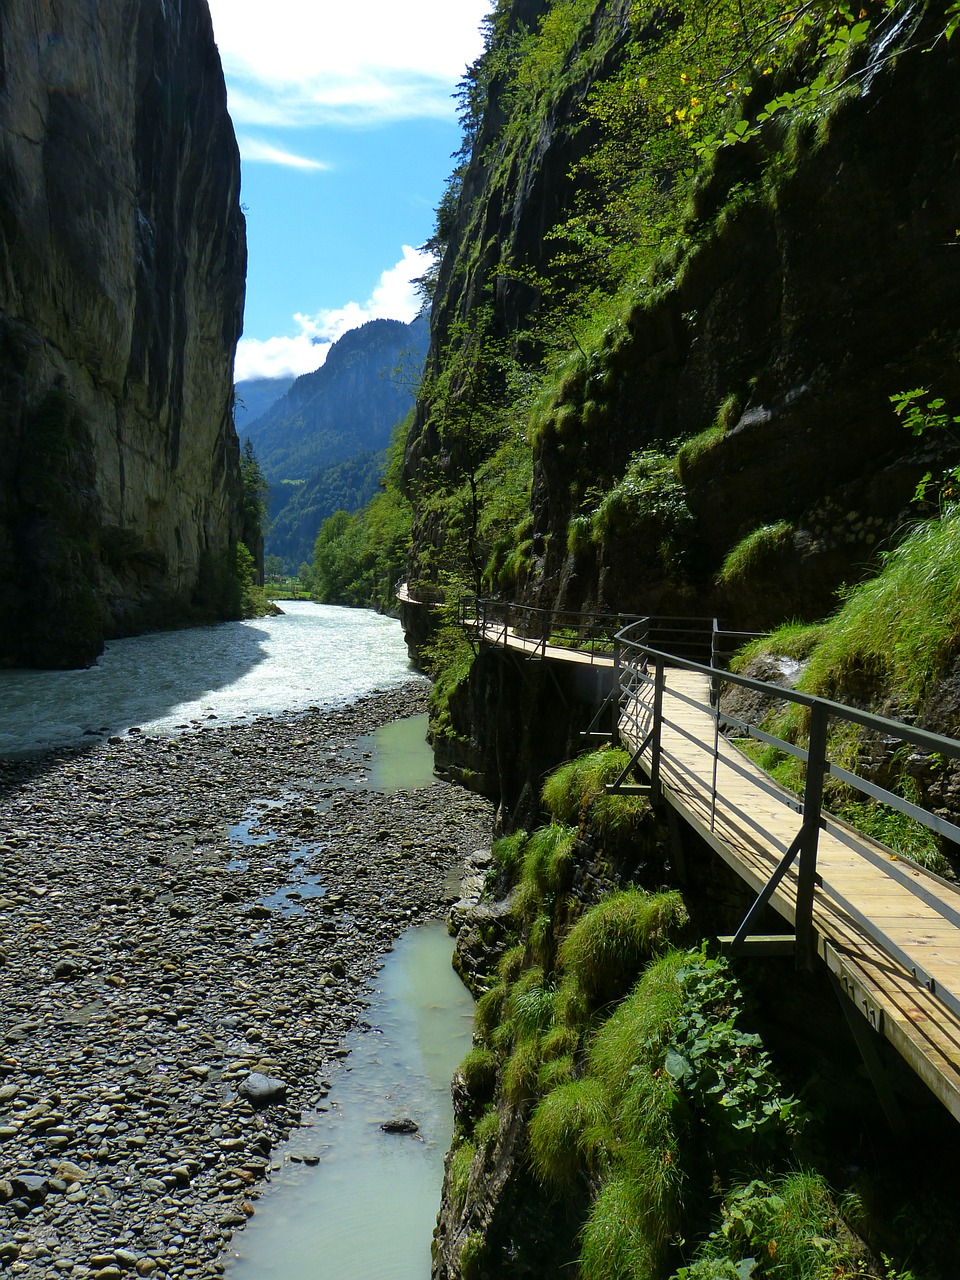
122, 261
710, 428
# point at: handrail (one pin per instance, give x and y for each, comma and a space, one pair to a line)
586, 631
634, 659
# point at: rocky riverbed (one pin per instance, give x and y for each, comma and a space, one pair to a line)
178, 914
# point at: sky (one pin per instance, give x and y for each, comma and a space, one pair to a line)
346, 124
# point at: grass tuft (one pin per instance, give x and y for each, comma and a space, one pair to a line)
760, 551
558, 1127
606, 949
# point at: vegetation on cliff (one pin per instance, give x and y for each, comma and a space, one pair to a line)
621, 1116
648, 387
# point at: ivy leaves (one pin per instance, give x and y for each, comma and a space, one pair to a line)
721, 1070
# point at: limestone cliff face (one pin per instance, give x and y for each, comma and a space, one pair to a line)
794, 310
122, 261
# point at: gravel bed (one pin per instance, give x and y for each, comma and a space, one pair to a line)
152, 960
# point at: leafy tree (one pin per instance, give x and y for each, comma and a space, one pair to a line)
253, 507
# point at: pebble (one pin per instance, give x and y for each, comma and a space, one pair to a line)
128, 1146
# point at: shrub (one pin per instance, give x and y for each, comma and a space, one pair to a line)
759, 552
606, 949
563, 1131
479, 1072
789, 1228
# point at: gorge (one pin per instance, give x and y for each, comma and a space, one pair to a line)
693, 351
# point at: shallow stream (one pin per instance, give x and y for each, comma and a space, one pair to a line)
364, 1206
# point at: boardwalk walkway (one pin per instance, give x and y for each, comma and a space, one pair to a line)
751, 827
888, 931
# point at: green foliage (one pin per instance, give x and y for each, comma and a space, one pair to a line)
894, 633
449, 659
563, 1131
722, 1070
611, 943
299, 507
907, 837
615, 1244
575, 793
471, 1256
504, 523
699, 447
886, 645
511, 963
759, 552
487, 1129
641, 1025
788, 1228
546, 868
479, 493
796, 640
486, 1016
479, 1071
508, 852
520, 1072
923, 414
253, 504
670, 1062
253, 602
358, 558
461, 1162
649, 502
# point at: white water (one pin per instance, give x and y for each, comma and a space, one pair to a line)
313, 655
367, 1210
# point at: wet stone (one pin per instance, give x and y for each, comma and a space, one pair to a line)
125, 1135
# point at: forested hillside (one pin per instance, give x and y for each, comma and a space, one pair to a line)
254, 397
693, 350
320, 444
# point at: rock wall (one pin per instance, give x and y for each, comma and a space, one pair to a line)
122, 262
814, 278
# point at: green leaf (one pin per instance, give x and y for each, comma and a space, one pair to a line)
677, 1066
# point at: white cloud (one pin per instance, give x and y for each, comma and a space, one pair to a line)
393, 298
322, 62
253, 149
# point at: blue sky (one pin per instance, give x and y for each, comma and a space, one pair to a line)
346, 125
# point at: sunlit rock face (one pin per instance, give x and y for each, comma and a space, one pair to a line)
122, 261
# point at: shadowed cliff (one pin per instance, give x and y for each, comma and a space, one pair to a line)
122, 261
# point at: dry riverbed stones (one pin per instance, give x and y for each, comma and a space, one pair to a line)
186, 927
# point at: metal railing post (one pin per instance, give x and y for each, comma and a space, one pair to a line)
615, 732
810, 835
716, 763
656, 729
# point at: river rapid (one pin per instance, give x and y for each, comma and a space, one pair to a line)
182, 909
168, 681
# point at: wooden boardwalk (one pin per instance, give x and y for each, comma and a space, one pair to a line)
751, 825
888, 931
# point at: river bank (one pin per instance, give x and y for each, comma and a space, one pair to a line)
176, 915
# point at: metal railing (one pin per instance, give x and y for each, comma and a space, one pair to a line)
640, 664
535, 629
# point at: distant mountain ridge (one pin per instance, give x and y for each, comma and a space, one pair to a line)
254, 396
344, 411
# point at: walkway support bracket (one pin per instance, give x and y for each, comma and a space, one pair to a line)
760, 944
